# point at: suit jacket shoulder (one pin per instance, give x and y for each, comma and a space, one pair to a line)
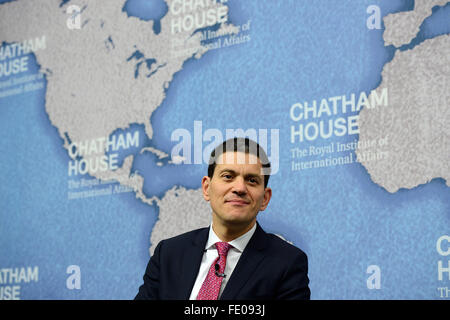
282, 248
173, 267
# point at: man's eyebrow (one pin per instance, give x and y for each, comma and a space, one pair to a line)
227, 170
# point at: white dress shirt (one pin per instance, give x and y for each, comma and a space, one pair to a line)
211, 254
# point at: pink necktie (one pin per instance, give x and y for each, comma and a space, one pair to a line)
211, 286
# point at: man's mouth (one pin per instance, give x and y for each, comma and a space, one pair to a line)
238, 202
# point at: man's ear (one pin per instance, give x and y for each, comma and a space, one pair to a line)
267, 196
206, 181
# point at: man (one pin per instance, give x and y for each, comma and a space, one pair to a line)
233, 258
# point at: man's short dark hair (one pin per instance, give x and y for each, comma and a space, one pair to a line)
244, 145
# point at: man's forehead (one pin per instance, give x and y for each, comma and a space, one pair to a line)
238, 158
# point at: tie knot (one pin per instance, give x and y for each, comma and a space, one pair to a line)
222, 248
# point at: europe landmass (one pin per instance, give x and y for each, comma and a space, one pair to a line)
415, 124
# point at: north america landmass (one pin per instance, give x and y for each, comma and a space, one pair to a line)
113, 72
116, 70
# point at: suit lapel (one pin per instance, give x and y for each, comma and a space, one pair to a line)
192, 257
249, 260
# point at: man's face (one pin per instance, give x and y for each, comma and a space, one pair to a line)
236, 190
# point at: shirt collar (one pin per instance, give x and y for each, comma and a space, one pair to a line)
238, 243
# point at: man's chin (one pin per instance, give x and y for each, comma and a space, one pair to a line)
238, 219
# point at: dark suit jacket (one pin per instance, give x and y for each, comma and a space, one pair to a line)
269, 268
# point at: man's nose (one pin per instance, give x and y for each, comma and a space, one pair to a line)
239, 186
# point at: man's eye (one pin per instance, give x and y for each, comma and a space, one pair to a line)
227, 176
